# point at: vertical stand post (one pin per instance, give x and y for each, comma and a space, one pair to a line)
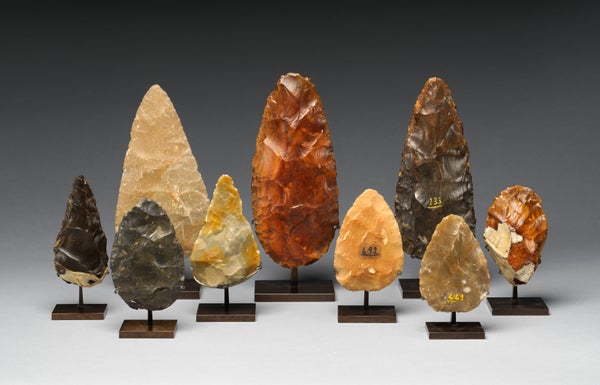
453, 318
80, 299
226, 299
515, 295
79, 311
150, 320
366, 299
294, 280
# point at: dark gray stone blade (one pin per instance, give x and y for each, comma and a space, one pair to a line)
147, 261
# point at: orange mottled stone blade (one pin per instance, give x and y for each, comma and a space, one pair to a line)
294, 188
515, 233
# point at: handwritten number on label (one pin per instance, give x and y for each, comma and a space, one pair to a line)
370, 252
434, 203
456, 297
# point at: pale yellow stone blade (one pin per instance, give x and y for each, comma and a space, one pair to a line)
454, 275
368, 251
225, 252
159, 165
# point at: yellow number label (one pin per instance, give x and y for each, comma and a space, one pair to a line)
434, 203
456, 297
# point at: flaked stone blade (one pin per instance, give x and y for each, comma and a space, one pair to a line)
368, 252
515, 233
80, 247
454, 275
159, 165
147, 260
434, 179
225, 252
294, 187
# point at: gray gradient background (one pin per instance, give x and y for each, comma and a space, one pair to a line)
525, 79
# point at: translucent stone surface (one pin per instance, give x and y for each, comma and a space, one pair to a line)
159, 165
454, 275
368, 251
294, 188
515, 233
225, 252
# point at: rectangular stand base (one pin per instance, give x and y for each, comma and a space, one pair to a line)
139, 329
235, 312
410, 288
366, 314
524, 306
190, 289
303, 291
74, 312
457, 331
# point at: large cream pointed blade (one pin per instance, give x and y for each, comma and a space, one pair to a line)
159, 165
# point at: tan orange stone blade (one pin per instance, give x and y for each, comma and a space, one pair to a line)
294, 187
368, 251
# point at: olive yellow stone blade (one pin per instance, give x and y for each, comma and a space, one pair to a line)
454, 275
368, 252
159, 165
225, 252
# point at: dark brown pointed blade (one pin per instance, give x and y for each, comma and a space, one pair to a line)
434, 179
80, 248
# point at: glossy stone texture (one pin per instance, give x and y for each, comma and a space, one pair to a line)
434, 178
80, 248
515, 233
159, 165
454, 275
368, 251
294, 188
225, 252
147, 260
